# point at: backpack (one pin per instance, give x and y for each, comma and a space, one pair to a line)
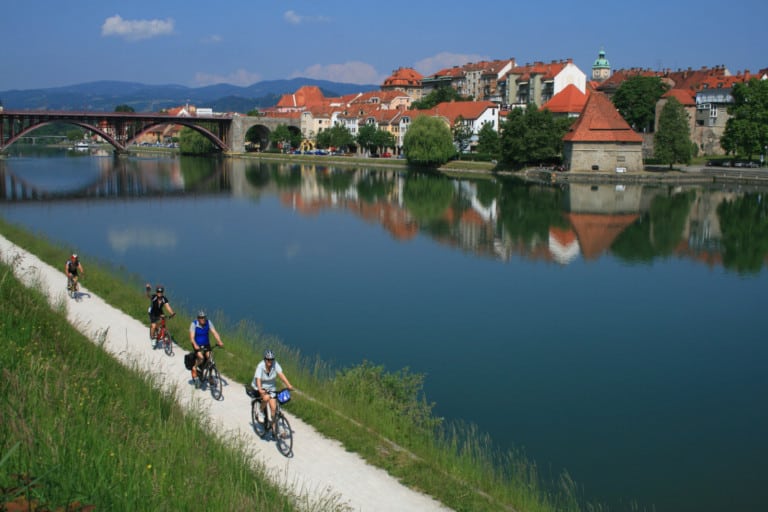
189, 360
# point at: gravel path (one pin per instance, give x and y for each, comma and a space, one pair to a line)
321, 471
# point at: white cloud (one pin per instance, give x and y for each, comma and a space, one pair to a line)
134, 30
444, 60
240, 77
295, 19
121, 240
212, 39
353, 72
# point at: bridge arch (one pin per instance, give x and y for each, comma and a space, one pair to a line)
192, 125
93, 129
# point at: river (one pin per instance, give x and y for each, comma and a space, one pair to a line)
616, 332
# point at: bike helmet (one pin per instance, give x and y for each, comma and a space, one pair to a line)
160, 289
201, 314
268, 354
73, 257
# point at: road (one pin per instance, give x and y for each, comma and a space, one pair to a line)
320, 471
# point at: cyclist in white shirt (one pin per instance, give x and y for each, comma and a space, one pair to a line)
264, 380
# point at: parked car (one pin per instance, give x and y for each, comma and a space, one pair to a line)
386, 155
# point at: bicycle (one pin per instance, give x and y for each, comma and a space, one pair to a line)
280, 428
164, 336
209, 374
72, 287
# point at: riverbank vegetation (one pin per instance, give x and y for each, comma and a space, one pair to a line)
79, 430
382, 415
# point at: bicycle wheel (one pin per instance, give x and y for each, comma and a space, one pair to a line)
258, 427
283, 435
168, 344
214, 381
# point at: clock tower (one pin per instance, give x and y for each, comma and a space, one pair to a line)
601, 69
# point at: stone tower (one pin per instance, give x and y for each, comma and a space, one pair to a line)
601, 69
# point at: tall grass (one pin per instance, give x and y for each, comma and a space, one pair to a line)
79, 427
384, 416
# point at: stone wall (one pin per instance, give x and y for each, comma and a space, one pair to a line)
607, 156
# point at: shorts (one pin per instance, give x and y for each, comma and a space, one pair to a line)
153, 319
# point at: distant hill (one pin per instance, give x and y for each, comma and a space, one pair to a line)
106, 95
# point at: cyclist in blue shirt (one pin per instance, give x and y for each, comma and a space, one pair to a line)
200, 331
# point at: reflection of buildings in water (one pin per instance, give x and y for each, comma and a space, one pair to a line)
597, 232
702, 234
563, 245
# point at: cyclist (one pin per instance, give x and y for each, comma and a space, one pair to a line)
264, 379
72, 268
158, 303
199, 334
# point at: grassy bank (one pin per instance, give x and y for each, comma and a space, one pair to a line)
381, 415
77, 427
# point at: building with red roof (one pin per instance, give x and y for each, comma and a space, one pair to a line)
477, 80
406, 80
569, 102
601, 140
539, 82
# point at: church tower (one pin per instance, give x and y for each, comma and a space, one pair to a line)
601, 69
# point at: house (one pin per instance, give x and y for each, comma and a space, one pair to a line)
537, 83
601, 140
473, 114
406, 80
477, 80
569, 102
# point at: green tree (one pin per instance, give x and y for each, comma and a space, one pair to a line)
335, 137
383, 139
124, 108
439, 95
531, 135
193, 143
254, 113
746, 132
281, 137
366, 137
488, 142
428, 142
636, 100
462, 134
672, 142
75, 134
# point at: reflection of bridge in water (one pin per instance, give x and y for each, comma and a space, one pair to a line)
119, 182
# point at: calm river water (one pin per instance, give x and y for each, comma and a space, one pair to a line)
617, 333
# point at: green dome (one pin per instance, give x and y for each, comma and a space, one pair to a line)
601, 61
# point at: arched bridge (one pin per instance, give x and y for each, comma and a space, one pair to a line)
121, 129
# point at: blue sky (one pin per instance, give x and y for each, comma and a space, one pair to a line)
55, 43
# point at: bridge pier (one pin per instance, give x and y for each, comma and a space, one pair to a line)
236, 135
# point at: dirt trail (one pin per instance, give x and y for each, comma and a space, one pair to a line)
321, 470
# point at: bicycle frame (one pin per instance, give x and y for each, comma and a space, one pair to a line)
164, 336
209, 374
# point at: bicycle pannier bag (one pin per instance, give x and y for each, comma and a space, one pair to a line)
284, 396
189, 360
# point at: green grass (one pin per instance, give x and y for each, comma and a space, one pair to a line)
79, 427
384, 416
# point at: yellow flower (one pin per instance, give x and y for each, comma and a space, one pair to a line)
149, 466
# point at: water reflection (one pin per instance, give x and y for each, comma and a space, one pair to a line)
499, 218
